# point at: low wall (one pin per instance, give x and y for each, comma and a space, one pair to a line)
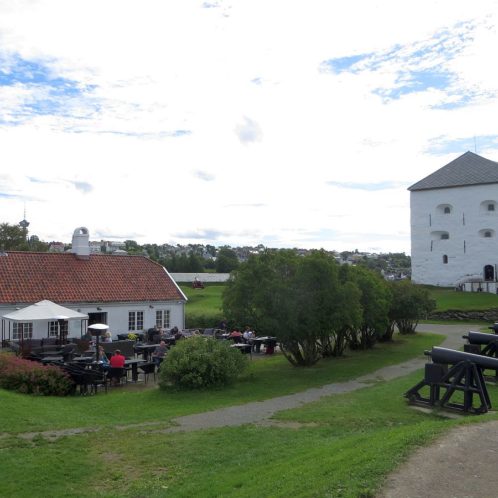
490, 315
207, 278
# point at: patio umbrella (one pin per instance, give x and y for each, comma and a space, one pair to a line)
43, 310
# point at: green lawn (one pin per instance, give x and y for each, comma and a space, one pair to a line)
203, 308
449, 299
336, 443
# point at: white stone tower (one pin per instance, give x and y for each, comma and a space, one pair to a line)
454, 224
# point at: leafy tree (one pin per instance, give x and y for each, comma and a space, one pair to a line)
300, 300
132, 247
12, 238
375, 303
410, 303
226, 260
195, 263
211, 250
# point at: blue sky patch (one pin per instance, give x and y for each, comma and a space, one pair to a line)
44, 92
417, 81
343, 64
366, 186
443, 145
415, 68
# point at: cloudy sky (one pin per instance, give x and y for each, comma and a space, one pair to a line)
285, 123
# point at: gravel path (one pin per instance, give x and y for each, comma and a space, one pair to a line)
259, 411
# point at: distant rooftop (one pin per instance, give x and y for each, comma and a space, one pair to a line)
468, 169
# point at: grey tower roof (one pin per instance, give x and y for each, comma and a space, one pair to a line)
468, 169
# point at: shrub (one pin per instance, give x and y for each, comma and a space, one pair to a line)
199, 362
29, 377
202, 320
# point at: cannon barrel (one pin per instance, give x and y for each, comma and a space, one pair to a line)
452, 357
480, 338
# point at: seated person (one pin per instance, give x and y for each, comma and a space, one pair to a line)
107, 337
151, 333
103, 359
117, 363
236, 336
176, 333
248, 334
117, 360
159, 353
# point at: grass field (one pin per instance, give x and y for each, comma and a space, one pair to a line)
340, 443
449, 299
204, 302
340, 446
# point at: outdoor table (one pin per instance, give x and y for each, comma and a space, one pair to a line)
83, 359
146, 350
134, 368
244, 348
52, 359
169, 340
267, 340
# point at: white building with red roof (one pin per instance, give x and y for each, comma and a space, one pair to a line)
129, 293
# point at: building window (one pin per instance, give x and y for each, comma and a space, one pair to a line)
135, 320
445, 259
487, 233
53, 328
444, 209
26, 328
488, 206
445, 236
162, 318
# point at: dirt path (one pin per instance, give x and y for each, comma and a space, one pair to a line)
462, 464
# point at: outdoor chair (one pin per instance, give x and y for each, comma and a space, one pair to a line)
147, 369
86, 379
115, 375
68, 352
82, 345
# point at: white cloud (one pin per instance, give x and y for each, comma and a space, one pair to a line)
164, 119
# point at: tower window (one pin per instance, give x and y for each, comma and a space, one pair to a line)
447, 210
445, 236
445, 259
491, 207
487, 233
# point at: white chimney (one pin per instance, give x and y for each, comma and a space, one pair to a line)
81, 243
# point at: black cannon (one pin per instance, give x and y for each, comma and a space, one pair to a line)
481, 339
457, 375
478, 339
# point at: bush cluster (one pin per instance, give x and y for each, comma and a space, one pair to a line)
30, 377
199, 362
202, 320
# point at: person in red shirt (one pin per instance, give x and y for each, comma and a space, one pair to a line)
117, 360
117, 363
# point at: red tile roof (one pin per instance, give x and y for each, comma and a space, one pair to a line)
27, 277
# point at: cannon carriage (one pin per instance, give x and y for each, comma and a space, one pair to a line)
455, 381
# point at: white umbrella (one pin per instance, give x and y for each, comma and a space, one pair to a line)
44, 310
